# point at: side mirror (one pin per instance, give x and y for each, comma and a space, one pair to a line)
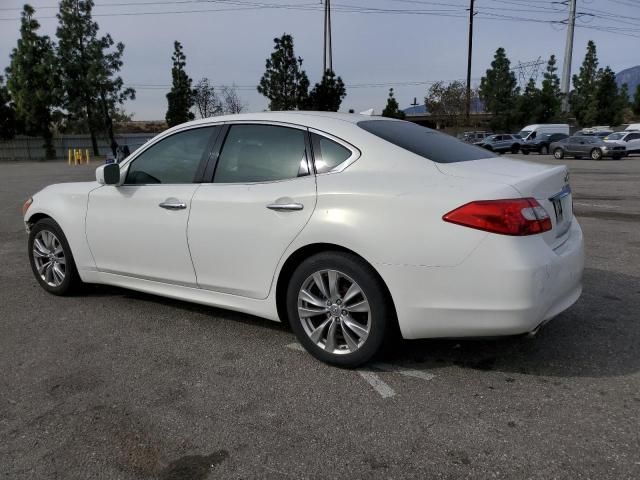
108, 174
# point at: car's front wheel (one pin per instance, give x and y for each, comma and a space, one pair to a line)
51, 259
338, 308
596, 154
558, 153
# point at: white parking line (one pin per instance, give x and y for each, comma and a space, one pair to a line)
597, 205
404, 371
296, 346
376, 382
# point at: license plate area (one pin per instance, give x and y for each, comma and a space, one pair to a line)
562, 209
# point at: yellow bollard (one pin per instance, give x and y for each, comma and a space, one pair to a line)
69, 156
87, 155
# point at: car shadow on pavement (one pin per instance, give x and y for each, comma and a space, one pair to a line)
598, 336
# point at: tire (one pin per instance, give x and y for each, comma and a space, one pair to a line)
558, 154
47, 244
544, 150
357, 334
596, 154
525, 152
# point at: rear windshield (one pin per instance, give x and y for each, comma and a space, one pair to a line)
432, 145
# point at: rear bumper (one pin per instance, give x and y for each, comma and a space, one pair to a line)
507, 286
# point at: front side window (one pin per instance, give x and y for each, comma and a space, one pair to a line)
261, 153
175, 159
328, 154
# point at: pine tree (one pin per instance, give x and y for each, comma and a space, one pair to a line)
607, 99
498, 91
92, 89
583, 97
528, 104
284, 82
328, 94
181, 98
550, 100
636, 101
32, 81
392, 109
8, 125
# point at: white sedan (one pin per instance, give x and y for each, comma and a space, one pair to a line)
344, 226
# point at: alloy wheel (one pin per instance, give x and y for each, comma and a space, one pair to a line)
334, 312
49, 258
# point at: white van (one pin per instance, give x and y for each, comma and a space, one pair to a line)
633, 126
530, 132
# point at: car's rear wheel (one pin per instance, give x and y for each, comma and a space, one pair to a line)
338, 308
51, 259
596, 154
544, 150
558, 153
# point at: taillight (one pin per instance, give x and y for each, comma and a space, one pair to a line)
517, 216
26, 206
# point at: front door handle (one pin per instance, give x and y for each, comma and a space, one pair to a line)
173, 204
285, 206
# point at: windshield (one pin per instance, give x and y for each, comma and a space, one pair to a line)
525, 133
427, 143
615, 136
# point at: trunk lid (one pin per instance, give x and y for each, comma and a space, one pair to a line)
548, 184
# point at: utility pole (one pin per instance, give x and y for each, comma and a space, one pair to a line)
468, 103
568, 53
327, 61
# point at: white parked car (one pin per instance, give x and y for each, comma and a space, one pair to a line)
345, 226
628, 139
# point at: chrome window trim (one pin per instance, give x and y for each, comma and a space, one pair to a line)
355, 152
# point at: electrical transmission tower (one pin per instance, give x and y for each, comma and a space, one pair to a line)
527, 70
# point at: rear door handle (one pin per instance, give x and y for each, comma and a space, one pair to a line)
285, 206
171, 204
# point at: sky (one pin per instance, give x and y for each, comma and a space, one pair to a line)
377, 44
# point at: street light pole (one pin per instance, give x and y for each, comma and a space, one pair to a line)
468, 103
568, 53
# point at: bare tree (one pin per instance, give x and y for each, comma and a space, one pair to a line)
206, 99
231, 102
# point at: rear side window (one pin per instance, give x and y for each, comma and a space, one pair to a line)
425, 142
261, 153
328, 154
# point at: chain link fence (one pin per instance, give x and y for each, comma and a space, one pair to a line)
31, 148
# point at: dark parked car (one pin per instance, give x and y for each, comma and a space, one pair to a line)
586, 146
541, 143
502, 143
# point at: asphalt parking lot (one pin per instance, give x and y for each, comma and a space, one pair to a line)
123, 385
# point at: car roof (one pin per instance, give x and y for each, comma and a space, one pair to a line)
319, 120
